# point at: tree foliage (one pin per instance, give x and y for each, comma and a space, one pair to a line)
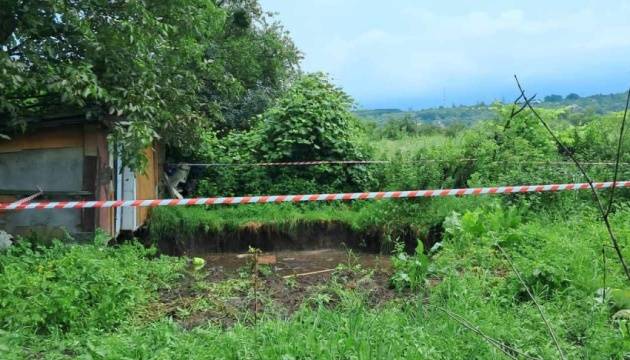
259, 61
553, 98
154, 69
311, 121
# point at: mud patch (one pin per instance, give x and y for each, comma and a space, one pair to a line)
227, 291
292, 262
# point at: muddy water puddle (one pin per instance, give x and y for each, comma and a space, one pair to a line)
289, 262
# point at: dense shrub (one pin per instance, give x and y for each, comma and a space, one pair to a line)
70, 288
312, 121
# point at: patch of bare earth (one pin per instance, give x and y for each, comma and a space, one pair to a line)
228, 291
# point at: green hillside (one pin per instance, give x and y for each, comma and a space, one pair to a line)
596, 104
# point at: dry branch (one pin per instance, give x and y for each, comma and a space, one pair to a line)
308, 273
531, 295
600, 205
618, 158
505, 349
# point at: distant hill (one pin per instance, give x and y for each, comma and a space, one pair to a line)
468, 114
464, 114
376, 113
599, 104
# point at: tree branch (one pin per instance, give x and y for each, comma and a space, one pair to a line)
507, 350
540, 310
618, 158
598, 200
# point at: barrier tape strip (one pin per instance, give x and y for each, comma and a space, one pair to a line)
367, 162
309, 198
294, 163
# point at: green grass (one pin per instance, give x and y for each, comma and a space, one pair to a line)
386, 215
409, 146
559, 255
222, 218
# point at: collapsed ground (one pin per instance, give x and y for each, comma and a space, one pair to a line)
126, 301
230, 291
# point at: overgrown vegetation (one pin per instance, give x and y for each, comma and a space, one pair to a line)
218, 82
555, 240
496, 151
337, 317
67, 301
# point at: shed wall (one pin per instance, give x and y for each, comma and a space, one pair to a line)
66, 163
147, 183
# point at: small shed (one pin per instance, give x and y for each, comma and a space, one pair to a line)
70, 158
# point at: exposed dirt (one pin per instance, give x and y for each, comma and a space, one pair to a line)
310, 235
292, 262
313, 263
233, 293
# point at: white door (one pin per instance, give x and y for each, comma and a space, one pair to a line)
119, 196
126, 219
128, 193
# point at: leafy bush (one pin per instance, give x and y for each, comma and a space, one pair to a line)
512, 151
312, 121
238, 147
70, 288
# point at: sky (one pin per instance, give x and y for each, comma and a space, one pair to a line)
413, 54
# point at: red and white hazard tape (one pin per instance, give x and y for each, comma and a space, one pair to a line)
378, 162
308, 198
293, 163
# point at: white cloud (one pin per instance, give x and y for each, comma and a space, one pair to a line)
410, 47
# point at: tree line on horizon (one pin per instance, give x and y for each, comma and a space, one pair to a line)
598, 104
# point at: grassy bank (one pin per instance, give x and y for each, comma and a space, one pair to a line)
388, 217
